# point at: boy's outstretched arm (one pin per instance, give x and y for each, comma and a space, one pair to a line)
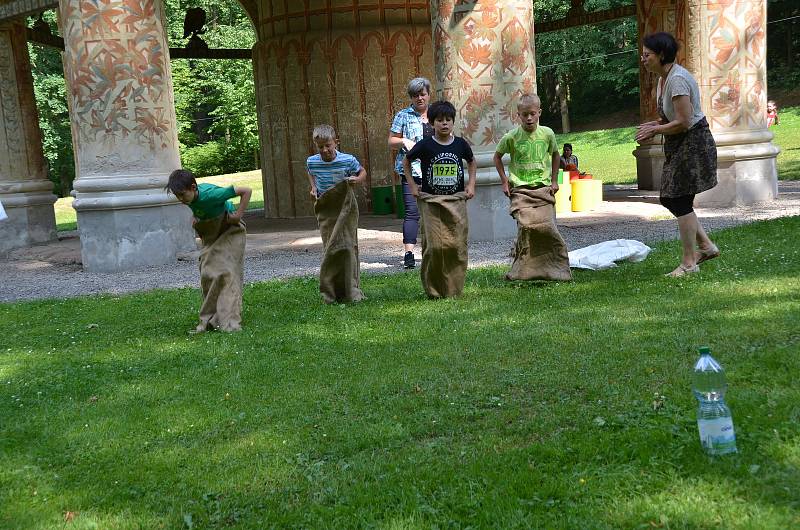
412, 186
472, 170
244, 193
501, 170
313, 183
554, 172
360, 177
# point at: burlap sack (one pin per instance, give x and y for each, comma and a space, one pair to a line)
221, 270
337, 215
445, 226
540, 252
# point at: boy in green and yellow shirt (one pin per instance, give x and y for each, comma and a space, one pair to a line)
540, 251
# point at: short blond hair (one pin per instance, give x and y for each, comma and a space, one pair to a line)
529, 99
323, 133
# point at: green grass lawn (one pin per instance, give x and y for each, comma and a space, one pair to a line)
787, 137
515, 406
607, 154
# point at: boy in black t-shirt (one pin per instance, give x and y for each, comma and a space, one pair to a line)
441, 156
442, 202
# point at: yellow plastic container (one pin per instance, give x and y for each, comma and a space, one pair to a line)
597, 192
563, 203
586, 194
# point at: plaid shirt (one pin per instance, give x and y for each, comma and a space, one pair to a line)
408, 123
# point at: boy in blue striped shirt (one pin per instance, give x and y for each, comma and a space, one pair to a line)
329, 167
332, 176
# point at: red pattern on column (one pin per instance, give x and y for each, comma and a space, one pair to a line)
735, 66
118, 78
484, 61
352, 54
653, 16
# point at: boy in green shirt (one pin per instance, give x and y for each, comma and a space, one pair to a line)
222, 231
540, 251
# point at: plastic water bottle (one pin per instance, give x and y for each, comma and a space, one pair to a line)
714, 421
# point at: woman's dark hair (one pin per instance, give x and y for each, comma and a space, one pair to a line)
180, 180
663, 44
568, 145
441, 109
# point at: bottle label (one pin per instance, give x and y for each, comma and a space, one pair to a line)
717, 435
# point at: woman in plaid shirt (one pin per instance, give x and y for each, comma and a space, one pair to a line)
409, 126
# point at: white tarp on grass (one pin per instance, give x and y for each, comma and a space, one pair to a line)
603, 255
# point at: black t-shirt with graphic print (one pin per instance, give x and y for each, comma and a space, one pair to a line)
442, 169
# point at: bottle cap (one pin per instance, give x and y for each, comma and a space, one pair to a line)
705, 350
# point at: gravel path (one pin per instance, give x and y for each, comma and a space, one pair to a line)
293, 248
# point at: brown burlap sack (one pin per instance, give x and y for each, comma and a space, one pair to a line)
337, 215
221, 270
540, 252
445, 226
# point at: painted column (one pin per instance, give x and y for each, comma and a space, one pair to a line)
345, 63
727, 52
119, 85
26, 193
484, 59
653, 16
723, 44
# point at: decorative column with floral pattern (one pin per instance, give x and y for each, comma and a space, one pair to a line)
653, 16
25, 192
727, 53
723, 44
484, 59
116, 65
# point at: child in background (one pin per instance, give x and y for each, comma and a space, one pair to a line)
540, 252
568, 162
223, 234
332, 175
442, 202
772, 114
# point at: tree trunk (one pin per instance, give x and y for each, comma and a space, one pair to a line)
562, 101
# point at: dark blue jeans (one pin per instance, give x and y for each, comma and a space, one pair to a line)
411, 219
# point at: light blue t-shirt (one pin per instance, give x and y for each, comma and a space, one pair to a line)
329, 174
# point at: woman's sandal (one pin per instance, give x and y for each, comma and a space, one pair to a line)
683, 270
705, 255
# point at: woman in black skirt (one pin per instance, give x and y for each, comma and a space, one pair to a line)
690, 164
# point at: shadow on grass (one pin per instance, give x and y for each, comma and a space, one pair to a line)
477, 411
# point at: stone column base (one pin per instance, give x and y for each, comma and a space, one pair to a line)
125, 239
31, 218
488, 210
649, 164
746, 170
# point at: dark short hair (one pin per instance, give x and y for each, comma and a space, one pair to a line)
663, 44
567, 145
441, 109
180, 180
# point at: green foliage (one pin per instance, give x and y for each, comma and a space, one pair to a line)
51, 100
598, 65
215, 99
787, 137
519, 405
204, 159
783, 44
